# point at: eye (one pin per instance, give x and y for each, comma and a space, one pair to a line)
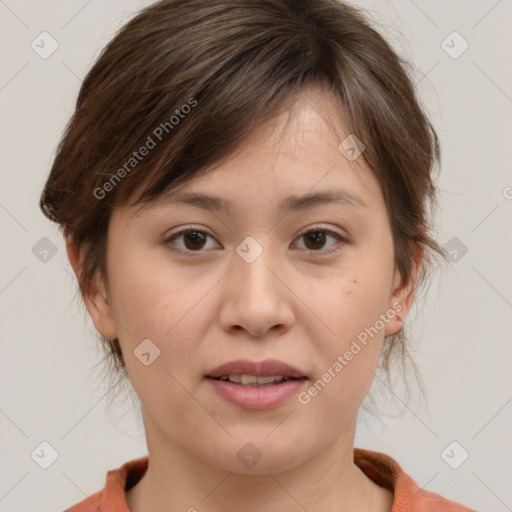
316, 237
193, 239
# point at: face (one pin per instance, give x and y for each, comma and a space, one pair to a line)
310, 284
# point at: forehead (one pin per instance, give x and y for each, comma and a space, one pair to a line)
292, 161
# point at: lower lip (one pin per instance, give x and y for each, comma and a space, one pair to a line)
256, 397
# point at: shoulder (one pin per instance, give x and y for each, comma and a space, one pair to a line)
89, 504
113, 495
408, 496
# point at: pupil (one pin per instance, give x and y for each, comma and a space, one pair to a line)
317, 237
196, 238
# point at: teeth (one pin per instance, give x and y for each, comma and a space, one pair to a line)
247, 379
270, 378
251, 380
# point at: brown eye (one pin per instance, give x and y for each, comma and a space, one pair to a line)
193, 240
316, 238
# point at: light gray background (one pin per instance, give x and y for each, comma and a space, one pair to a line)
49, 391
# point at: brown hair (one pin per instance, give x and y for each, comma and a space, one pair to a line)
197, 77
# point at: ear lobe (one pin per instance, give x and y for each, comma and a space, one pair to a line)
403, 295
96, 301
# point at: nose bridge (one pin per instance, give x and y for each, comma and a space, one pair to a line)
253, 261
256, 297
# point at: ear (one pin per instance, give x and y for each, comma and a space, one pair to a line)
96, 302
403, 294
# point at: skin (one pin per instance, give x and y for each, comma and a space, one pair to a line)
294, 303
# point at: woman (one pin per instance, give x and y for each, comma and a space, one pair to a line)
243, 190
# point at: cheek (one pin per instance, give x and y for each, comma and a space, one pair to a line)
151, 305
155, 301
348, 341
350, 304
348, 352
152, 298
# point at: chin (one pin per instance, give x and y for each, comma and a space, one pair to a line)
258, 456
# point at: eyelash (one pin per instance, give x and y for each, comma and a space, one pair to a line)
313, 229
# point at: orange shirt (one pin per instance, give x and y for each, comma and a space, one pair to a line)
380, 468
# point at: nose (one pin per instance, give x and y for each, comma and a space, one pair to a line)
257, 298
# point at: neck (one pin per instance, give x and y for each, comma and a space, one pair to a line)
178, 480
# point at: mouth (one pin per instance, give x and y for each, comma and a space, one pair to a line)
256, 384
247, 372
253, 381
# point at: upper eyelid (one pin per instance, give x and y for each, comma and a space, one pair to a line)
205, 230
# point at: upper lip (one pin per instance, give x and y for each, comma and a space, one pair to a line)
264, 368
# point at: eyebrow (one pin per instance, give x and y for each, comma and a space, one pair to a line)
292, 203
